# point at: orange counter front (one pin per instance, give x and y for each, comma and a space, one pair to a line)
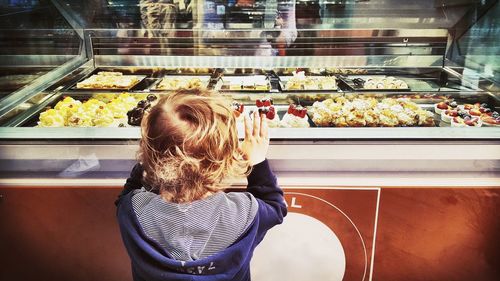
331, 233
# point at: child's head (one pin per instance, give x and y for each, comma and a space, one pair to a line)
189, 145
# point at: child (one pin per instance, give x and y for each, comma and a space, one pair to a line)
176, 222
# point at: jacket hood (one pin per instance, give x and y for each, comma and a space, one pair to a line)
152, 262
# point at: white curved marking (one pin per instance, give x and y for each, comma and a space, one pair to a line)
290, 252
354, 225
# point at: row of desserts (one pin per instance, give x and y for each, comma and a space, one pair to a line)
298, 82
102, 110
294, 117
369, 112
467, 115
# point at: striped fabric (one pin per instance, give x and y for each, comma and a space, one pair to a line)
198, 229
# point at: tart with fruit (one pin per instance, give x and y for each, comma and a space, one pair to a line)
467, 121
492, 120
295, 117
475, 111
447, 115
445, 105
469, 106
485, 110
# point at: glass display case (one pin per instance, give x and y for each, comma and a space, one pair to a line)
385, 133
337, 73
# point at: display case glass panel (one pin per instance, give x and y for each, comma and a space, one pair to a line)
324, 64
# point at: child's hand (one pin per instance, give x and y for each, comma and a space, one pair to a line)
256, 143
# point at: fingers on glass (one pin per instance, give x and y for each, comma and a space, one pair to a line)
248, 127
256, 123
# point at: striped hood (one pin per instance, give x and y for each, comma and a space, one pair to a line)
151, 261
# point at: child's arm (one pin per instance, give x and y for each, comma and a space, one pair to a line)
261, 181
133, 182
263, 185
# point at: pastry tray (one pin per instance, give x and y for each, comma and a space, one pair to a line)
348, 82
204, 79
229, 78
284, 79
139, 85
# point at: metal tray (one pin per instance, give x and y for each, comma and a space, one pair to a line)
348, 82
135, 87
204, 79
240, 77
284, 79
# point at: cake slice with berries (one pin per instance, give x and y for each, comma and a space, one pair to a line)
266, 107
295, 117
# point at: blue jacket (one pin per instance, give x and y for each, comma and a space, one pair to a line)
152, 263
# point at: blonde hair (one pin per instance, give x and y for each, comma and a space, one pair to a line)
189, 145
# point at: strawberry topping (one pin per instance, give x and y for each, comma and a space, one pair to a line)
271, 113
303, 112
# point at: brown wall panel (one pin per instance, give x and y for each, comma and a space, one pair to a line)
438, 234
61, 234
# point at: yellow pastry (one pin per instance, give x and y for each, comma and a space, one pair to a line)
80, 119
127, 99
103, 117
91, 105
67, 107
104, 97
118, 109
51, 118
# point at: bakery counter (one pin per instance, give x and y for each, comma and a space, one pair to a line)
343, 232
380, 209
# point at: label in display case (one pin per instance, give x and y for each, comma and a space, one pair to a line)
328, 234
